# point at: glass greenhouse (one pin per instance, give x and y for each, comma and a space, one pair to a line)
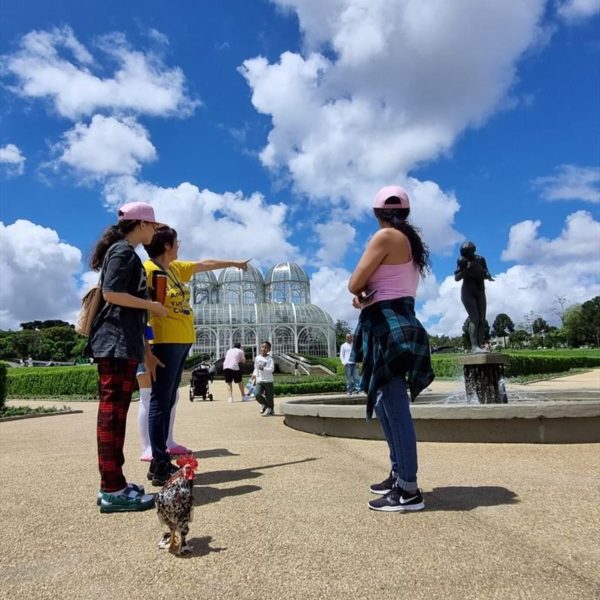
241, 306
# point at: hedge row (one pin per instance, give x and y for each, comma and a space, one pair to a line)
319, 385
83, 381
532, 364
3, 370
53, 381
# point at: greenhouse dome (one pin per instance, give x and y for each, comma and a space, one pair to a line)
241, 287
241, 306
287, 282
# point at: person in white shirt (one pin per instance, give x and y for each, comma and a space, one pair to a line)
352, 380
262, 377
231, 369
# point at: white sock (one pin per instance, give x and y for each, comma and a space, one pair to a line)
143, 411
170, 442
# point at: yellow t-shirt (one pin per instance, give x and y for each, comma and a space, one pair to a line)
178, 326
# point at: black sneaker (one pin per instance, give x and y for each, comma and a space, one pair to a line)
158, 473
262, 410
385, 486
398, 500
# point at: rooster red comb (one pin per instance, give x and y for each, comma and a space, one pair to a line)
189, 461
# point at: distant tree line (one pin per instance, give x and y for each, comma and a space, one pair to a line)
55, 340
580, 326
50, 340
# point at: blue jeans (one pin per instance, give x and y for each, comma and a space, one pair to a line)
393, 412
352, 380
164, 395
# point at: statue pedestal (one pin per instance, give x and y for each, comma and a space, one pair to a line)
484, 377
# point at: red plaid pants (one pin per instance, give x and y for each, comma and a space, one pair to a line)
115, 385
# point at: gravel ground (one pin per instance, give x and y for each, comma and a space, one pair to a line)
283, 514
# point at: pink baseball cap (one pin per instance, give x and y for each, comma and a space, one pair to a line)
390, 191
137, 211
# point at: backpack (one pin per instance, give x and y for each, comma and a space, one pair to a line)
91, 304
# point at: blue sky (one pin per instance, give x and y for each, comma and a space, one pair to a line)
264, 128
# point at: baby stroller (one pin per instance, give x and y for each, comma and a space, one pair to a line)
202, 375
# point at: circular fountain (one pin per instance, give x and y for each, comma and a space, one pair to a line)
535, 418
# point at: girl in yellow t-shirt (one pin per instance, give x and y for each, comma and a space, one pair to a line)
173, 336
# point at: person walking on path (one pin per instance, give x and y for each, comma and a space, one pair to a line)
234, 357
262, 378
391, 343
352, 380
174, 333
116, 343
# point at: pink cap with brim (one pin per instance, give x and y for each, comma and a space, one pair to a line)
390, 191
137, 211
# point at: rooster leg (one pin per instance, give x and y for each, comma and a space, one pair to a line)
185, 547
175, 545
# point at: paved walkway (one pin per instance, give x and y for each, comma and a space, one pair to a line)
282, 514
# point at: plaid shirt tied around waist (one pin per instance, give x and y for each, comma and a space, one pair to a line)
390, 342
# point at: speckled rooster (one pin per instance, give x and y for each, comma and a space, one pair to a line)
175, 503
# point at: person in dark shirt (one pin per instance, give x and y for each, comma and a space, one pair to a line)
117, 345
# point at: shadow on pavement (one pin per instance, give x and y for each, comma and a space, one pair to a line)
200, 547
212, 477
208, 495
468, 497
213, 453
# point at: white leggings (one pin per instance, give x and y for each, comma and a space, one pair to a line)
143, 410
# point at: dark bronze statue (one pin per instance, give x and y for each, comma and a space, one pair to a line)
472, 270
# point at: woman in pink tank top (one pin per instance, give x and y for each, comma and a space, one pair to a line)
391, 343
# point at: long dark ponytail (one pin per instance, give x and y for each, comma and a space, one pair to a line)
396, 217
111, 234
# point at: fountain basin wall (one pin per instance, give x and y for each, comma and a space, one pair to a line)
548, 422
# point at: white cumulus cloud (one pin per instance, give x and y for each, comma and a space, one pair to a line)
54, 65
578, 10
106, 147
383, 86
578, 241
39, 275
571, 183
335, 238
213, 225
12, 159
329, 290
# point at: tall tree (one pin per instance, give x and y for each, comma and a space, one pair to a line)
539, 325
560, 303
519, 338
574, 326
503, 326
341, 330
590, 312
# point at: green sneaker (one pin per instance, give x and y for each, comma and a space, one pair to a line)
138, 489
127, 501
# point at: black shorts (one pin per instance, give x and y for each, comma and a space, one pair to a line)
232, 375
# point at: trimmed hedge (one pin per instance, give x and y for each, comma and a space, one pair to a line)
533, 364
3, 370
83, 381
320, 385
446, 366
53, 381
